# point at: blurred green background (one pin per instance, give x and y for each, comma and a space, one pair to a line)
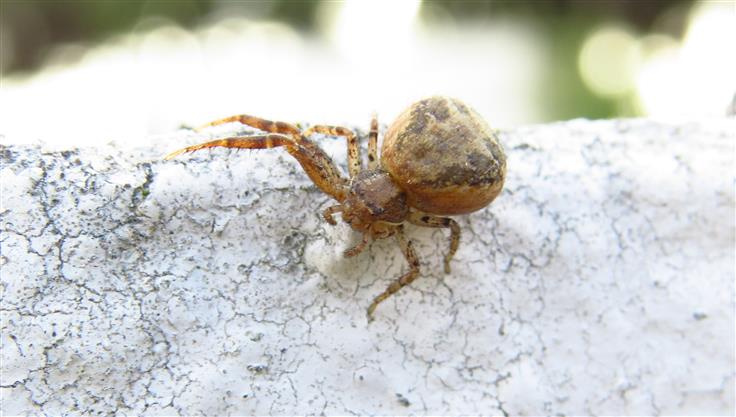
597, 55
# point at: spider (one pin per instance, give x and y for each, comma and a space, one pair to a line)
438, 158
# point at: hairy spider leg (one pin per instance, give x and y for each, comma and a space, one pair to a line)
318, 166
404, 280
242, 142
373, 143
283, 128
427, 220
354, 164
260, 124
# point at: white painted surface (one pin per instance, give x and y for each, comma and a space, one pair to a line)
600, 282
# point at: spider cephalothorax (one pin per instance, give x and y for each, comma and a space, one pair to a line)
374, 197
438, 158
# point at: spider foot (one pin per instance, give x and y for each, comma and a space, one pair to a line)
447, 264
329, 211
369, 312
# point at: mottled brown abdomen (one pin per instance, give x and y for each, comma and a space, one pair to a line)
445, 156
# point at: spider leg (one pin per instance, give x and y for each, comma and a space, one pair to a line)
373, 143
315, 162
406, 279
428, 220
320, 168
357, 248
329, 211
353, 148
242, 142
258, 123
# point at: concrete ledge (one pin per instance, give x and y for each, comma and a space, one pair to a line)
600, 282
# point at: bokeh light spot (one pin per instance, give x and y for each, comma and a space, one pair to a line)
697, 78
608, 62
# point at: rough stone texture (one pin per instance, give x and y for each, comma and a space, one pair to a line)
601, 281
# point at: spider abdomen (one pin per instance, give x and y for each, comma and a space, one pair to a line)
444, 156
